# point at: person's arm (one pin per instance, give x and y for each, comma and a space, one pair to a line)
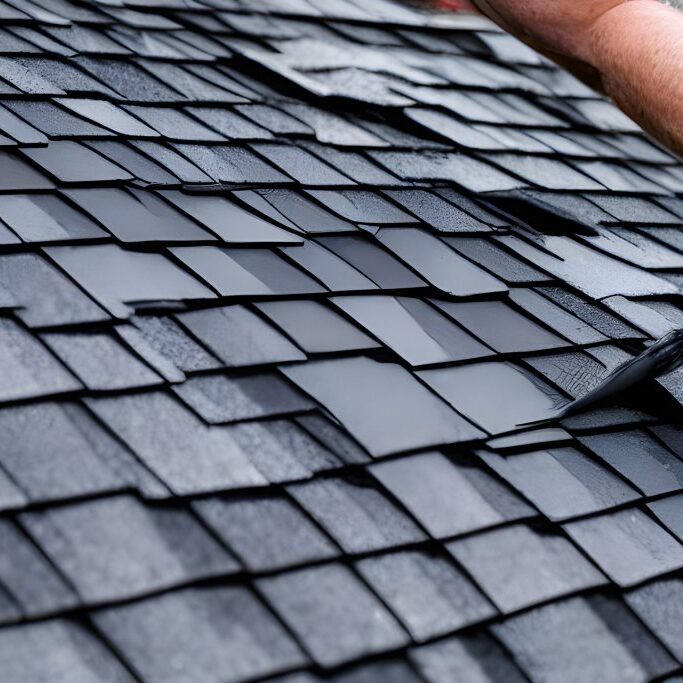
630, 49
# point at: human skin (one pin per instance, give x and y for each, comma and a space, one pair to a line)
630, 49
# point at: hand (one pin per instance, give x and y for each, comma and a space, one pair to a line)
557, 28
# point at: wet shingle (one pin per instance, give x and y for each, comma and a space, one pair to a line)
332, 613
217, 635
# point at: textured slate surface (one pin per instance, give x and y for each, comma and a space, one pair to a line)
278, 282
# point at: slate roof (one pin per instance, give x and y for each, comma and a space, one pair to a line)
278, 282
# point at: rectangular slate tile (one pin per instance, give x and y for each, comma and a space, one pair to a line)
361, 206
356, 514
133, 215
100, 362
333, 614
627, 545
228, 221
378, 265
316, 328
29, 577
229, 124
173, 124
239, 337
136, 163
466, 657
186, 454
242, 272
518, 566
70, 162
385, 408
500, 326
594, 639
109, 115
168, 338
266, 533
562, 482
412, 328
301, 165
443, 268
659, 605
67, 650
27, 368
173, 162
640, 459
46, 296
449, 498
219, 399
426, 592
497, 396
328, 268
117, 548
217, 635
55, 121
115, 277
669, 511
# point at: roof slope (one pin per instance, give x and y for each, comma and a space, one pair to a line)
278, 282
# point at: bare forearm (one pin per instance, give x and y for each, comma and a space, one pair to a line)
637, 48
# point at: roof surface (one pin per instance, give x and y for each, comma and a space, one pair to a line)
278, 282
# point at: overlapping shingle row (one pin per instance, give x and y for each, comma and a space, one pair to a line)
279, 280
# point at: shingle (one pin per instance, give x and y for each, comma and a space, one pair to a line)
333, 437
20, 176
266, 533
395, 670
110, 116
17, 128
634, 209
230, 124
426, 592
627, 545
465, 171
26, 79
239, 337
282, 451
477, 658
412, 328
29, 577
187, 83
449, 498
71, 162
361, 206
358, 392
115, 277
46, 296
562, 482
186, 454
117, 548
517, 566
100, 362
68, 654
587, 640
669, 511
55, 121
133, 215
27, 369
235, 272
332, 613
232, 164
316, 328
181, 167
228, 221
217, 635
640, 459
134, 162
46, 218
497, 396
441, 266
660, 605
356, 514
500, 326
174, 124
56, 452
301, 165
378, 265
437, 212
337, 275
220, 399
274, 119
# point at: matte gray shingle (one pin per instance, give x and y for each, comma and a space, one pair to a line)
217, 635
333, 614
